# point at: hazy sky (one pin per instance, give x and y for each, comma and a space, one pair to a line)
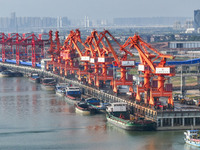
99, 8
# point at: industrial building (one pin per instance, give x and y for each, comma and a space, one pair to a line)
149, 21
197, 19
184, 44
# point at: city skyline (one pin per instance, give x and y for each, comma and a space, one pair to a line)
108, 9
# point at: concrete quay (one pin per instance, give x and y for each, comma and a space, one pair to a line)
181, 117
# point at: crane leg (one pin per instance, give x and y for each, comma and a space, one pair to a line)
115, 88
138, 97
89, 81
65, 72
170, 102
151, 100
131, 89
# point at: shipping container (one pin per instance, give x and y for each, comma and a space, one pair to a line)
129, 77
110, 72
168, 87
76, 64
109, 59
154, 84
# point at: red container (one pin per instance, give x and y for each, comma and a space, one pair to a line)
109, 59
110, 72
100, 70
154, 84
168, 87
172, 70
76, 64
129, 77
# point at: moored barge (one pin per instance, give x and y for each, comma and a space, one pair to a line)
118, 115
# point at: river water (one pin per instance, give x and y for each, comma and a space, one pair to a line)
32, 118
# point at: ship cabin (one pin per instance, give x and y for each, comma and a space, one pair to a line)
117, 107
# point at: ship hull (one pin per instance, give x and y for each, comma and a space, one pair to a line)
35, 80
71, 99
193, 143
60, 93
48, 87
82, 112
124, 124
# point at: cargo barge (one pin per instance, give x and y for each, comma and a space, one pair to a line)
118, 115
73, 94
84, 109
48, 83
34, 77
61, 89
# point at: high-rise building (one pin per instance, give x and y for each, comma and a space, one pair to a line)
197, 19
87, 22
29, 24
59, 22
13, 21
189, 24
65, 22
177, 25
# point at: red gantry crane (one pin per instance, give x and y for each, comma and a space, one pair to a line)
71, 46
121, 61
31, 48
58, 66
13, 41
3, 41
154, 72
93, 58
16, 46
51, 50
103, 55
98, 55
